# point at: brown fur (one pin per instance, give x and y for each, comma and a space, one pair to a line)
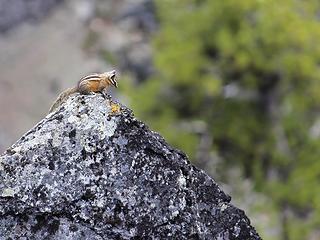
88, 84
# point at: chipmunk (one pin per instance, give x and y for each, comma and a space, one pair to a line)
97, 82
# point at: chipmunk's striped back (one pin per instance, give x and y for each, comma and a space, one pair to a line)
93, 77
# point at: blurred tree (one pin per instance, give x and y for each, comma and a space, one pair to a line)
242, 78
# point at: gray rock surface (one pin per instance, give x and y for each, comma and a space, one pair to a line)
13, 12
87, 172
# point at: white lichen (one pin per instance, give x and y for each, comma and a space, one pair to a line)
237, 230
1, 167
113, 171
224, 207
8, 192
72, 119
182, 181
17, 149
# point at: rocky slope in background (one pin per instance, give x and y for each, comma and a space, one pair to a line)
13, 12
88, 172
91, 34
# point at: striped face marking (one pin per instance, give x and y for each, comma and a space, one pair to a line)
112, 78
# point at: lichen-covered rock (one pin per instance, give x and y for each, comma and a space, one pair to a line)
87, 172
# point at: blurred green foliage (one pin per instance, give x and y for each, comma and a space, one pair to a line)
249, 72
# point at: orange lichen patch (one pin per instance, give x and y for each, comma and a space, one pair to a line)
115, 108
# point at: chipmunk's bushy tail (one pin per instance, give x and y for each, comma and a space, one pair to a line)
62, 98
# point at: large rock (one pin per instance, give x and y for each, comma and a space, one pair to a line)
89, 172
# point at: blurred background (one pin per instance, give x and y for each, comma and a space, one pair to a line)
234, 84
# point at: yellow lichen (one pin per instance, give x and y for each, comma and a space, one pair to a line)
115, 108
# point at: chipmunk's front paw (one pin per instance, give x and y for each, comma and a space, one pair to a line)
106, 95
